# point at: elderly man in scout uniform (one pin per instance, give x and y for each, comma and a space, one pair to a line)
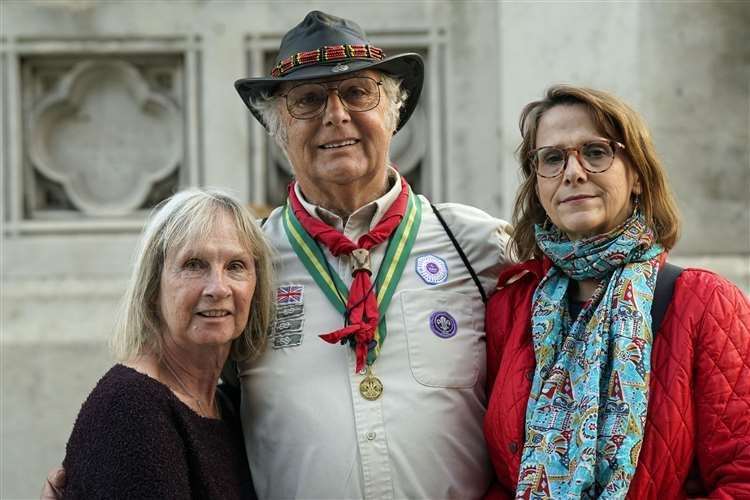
373, 385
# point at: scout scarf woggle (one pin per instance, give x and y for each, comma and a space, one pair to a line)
589, 396
362, 303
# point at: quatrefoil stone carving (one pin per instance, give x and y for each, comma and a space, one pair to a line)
106, 137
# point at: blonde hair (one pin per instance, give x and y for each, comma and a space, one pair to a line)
617, 121
186, 217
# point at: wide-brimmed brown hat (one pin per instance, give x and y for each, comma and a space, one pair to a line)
323, 45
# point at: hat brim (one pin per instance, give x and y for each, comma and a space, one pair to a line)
408, 67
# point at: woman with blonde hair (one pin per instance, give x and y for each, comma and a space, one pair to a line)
587, 398
155, 426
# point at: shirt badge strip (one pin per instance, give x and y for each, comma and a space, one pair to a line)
287, 311
443, 324
286, 326
286, 331
284, 341
432, 269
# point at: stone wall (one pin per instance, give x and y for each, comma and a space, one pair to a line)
107, 106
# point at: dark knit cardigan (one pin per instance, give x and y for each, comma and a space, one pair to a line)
134, 438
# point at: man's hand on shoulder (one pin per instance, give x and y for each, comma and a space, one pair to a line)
54, 485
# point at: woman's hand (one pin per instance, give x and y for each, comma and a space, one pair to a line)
54, 485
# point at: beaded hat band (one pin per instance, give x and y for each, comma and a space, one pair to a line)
326, 54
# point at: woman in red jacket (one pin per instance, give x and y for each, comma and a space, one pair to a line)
589, 401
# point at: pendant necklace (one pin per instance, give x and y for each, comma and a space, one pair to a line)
201, 411
371, 387
397, 250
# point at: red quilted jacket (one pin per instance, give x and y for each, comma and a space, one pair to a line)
698, 423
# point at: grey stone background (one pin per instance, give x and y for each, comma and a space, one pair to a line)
684, 65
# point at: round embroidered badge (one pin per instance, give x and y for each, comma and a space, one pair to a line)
432, 269
443, 324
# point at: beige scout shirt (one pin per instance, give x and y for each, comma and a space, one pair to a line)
308, 431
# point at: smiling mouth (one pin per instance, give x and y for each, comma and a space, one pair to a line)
214, 313
577, 198
340, 144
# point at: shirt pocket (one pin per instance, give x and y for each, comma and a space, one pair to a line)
443, 341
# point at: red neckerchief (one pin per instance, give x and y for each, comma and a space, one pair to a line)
362, 314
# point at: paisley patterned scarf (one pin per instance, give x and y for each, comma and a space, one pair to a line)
589, 396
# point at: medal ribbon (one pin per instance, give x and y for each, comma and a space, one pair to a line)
364, 328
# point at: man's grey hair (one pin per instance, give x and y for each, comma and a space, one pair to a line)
268, 106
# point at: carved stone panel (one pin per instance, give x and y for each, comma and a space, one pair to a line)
105, 137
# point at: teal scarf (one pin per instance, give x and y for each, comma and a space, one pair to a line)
589, 396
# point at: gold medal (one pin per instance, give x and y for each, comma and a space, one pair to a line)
371, 387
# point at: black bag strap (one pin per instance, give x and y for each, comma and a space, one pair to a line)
460, 253
663, 290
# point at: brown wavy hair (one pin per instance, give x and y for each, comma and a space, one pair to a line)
617, 121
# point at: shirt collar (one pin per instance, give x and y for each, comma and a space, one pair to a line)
364, 218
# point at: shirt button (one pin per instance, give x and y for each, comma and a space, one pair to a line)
370, 436
513, 447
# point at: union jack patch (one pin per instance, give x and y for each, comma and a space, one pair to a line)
291, 294
290, 317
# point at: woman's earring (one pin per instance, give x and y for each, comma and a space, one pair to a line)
636, 203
